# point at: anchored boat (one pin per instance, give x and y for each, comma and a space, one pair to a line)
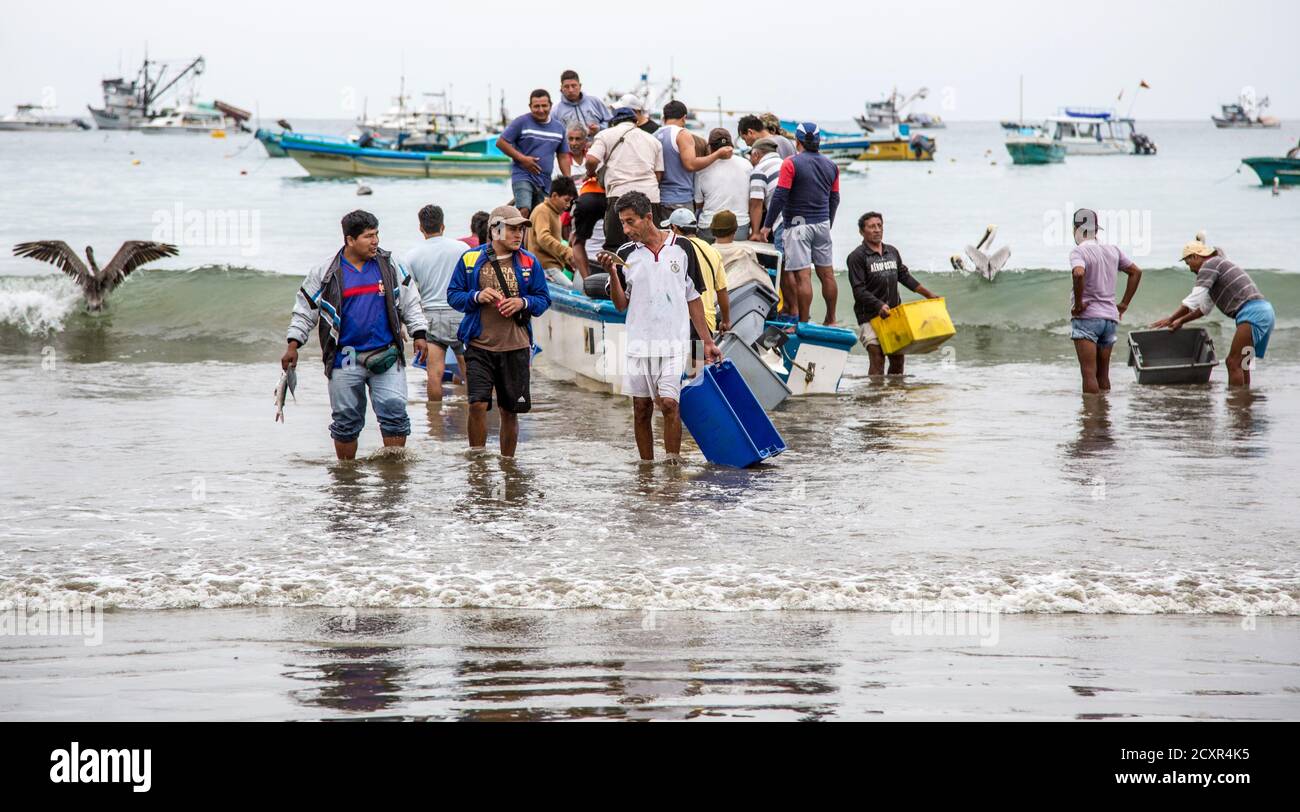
1285, 171
32, 118
326, 157
1246, 113
1033, 145
583, 340
1091, 131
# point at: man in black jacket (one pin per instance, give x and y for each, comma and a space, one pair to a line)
875, 271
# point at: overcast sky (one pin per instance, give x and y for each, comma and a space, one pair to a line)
324, 59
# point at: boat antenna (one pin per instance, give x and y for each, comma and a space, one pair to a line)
1022, 100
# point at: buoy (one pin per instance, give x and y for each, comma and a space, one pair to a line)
1277, 188
243, 171
135, 162
364, 190
218, 133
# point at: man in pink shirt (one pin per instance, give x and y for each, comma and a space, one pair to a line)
1094, 314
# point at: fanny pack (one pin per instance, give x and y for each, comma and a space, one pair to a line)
378, 361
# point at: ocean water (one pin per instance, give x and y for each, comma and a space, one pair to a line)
142, 466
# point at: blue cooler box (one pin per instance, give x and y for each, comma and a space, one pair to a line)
726, 420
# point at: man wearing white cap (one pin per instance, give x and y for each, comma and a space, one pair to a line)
1221, 282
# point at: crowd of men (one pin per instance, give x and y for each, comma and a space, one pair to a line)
670, 217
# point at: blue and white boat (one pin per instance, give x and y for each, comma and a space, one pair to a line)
331, 157
583, 340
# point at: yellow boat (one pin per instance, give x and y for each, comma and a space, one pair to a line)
847, 149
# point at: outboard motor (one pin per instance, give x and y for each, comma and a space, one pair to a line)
1143, 145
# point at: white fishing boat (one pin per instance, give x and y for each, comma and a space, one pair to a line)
431, 126
1091, 131
129, 105
197, 118
34, 118
1247, 113
582, 340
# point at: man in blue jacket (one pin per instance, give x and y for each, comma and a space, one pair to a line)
499, 288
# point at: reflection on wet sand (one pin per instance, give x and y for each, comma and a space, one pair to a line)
507, 684
1181, 418
368, 495
1248, 422
1096, 437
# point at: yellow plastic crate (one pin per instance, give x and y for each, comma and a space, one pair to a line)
914, 327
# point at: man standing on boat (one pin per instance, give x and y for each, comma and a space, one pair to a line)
1094, 316
535, 142
360, 299
624, 158
577, 108
1221, 282
875, 272
656, 279
431, 263
807, 195
588, 223
681, 160
499, 288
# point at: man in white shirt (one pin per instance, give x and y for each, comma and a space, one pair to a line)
723, 186
430, 263
633, 162
656, 280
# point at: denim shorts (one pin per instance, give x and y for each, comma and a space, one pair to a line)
528, 195
347, 388
1101, 332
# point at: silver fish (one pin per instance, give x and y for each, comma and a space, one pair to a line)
288, 383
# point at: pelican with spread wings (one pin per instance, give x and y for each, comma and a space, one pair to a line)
96, 283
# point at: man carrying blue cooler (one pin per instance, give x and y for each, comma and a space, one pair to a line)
1219, 281
360, 298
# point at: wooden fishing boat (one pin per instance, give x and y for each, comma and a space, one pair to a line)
334, 159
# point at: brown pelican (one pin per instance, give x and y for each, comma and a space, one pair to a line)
94, 282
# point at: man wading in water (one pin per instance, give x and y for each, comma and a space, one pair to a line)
499, 289
656, 280
361, 298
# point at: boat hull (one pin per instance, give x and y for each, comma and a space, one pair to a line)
271, 142
1263, 124
334, 160
1035, 151
845, 151
583, 340
1285, 170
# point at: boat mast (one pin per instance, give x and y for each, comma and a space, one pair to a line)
1022, 100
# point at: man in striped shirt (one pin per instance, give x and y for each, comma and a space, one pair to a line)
766, 160
1221, 282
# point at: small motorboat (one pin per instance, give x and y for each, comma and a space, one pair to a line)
1033, 145
33, 118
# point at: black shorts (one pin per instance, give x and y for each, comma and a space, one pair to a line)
506, 372
588, 211
614, 236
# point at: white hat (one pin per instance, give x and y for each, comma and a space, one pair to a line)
632, 102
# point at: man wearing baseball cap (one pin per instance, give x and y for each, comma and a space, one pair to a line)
1094, 316
1221, 282
500, 288
807, 194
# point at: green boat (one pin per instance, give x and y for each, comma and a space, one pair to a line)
1285, 170
329, 158
1031, 146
